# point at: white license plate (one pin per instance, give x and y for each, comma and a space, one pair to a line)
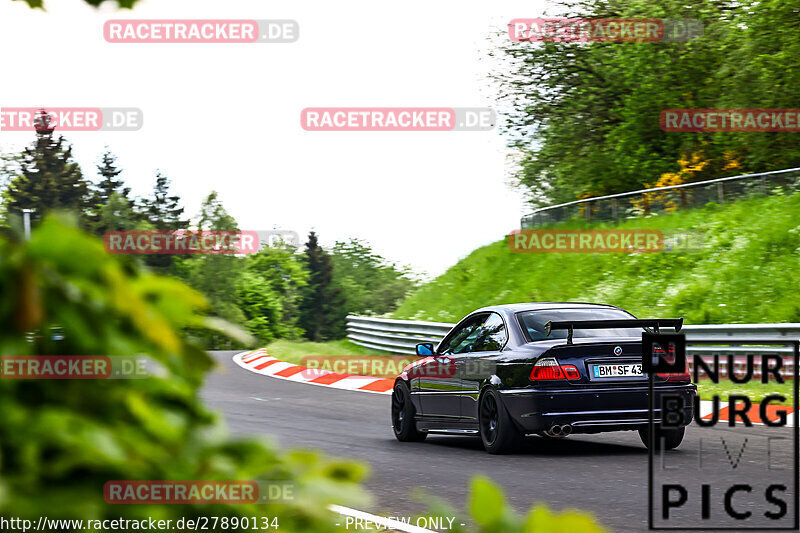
617, 371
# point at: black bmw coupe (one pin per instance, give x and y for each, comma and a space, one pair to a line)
550, 369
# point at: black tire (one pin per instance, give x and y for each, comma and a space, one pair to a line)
498, 432
403, 423
672, 437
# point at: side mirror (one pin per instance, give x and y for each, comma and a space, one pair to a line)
425, 349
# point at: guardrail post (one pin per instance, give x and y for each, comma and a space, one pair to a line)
720, 192
614, 211
588, 211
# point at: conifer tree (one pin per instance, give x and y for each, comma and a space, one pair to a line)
162, 210
49, 178
110, 182
104, 215
322, 314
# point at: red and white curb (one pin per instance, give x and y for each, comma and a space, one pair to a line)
259, 362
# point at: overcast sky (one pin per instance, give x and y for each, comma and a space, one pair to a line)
226, 117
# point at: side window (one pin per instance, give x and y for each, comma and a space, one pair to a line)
492, 335
463, 340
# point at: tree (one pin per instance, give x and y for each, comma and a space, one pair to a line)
216, 276
369, 283
49, 179
111, 185
162, 210
322, 314
117, 214
585, 116
270, 292
261, 306
9, 169
214, 216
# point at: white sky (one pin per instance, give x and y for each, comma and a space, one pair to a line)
226, 117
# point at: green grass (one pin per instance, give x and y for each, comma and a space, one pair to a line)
294, 351
748, 271
755, 390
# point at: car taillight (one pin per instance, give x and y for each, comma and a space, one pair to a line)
670, 358
675, 377
549, 368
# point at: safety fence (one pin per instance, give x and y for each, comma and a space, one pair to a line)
644, 202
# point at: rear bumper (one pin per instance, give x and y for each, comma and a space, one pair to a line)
592, 410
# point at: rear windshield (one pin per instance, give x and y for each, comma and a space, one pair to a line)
533, 323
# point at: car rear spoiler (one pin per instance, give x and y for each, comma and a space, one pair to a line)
654, 323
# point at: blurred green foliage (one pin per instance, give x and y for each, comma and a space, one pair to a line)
488, 508
62, 440
745, 273
490, 513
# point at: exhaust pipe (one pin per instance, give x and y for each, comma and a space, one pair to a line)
558, 431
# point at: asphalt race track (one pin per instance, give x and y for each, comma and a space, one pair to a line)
605, 474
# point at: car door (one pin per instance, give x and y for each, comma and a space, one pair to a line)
473, 367
439, 384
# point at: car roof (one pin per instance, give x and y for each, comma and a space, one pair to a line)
516, 336
538, 306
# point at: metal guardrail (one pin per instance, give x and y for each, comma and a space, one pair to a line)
632, 204
396, 336
402, 336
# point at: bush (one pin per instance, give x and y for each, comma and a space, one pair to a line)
62, 440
